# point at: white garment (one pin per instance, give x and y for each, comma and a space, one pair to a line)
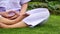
12, 4
37, 16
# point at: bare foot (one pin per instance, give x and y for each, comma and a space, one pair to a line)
3, 25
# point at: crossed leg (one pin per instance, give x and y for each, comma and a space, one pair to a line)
17, 25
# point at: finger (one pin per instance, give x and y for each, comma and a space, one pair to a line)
12, 11
14, 17
27, 14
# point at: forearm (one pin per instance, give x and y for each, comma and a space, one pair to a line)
24, 8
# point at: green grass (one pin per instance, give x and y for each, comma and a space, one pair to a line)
51, 27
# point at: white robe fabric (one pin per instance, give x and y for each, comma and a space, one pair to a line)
37, 16
12, 4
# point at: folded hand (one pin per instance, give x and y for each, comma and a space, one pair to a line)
10, 14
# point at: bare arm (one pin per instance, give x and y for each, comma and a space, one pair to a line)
22, 12
24, 8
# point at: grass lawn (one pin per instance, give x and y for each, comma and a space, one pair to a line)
51, 27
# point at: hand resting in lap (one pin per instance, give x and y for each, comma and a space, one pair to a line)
9, 14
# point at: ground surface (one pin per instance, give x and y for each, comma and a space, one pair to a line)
51, 27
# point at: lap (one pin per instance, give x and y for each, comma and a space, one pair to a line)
17, 25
